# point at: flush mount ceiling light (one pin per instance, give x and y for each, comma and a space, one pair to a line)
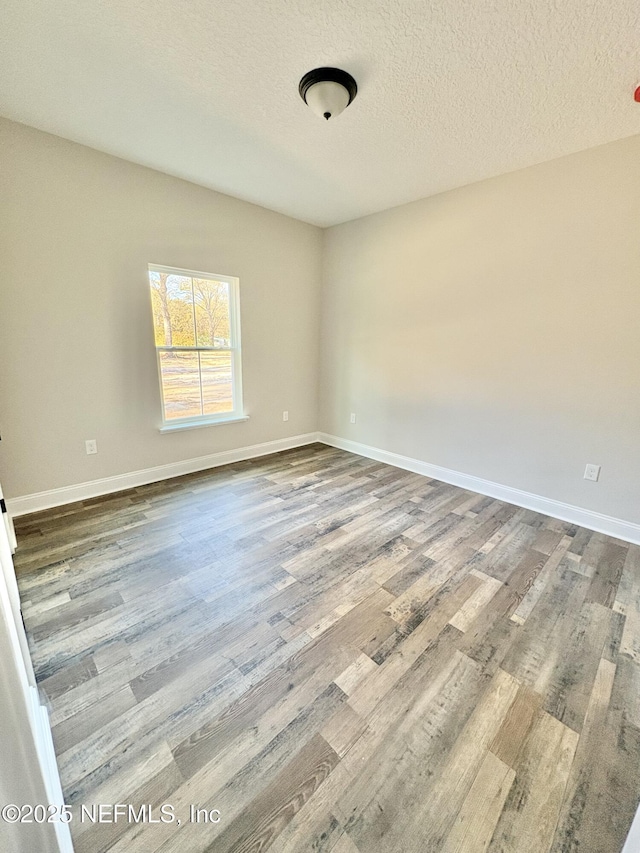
328, 91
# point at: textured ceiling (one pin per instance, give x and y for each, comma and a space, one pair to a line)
449, 92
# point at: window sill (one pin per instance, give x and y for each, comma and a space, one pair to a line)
203, 423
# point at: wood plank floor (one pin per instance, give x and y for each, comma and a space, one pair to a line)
337, 655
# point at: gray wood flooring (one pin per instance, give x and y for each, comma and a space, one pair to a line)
336, 655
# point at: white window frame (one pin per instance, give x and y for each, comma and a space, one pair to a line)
235, 348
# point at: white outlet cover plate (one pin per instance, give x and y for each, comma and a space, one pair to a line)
592, 472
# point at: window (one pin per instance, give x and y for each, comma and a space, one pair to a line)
197, 332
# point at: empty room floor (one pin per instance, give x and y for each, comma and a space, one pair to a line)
336, 655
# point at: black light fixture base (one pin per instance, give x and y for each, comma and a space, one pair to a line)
332, 75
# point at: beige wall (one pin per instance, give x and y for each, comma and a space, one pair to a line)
495, 329
77, 230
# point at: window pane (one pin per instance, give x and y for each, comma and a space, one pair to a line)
157, 306
172, 302
217, 387
212, 312
180, 384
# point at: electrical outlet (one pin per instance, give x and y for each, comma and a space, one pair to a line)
353, 417
592, 472
91, 445
285, 416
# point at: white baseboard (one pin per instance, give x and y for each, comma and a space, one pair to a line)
94, 488
621, 529
617, 527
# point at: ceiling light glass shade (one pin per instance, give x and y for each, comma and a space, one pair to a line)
327, 99
328, 91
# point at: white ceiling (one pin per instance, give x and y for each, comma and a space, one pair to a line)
449, 92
